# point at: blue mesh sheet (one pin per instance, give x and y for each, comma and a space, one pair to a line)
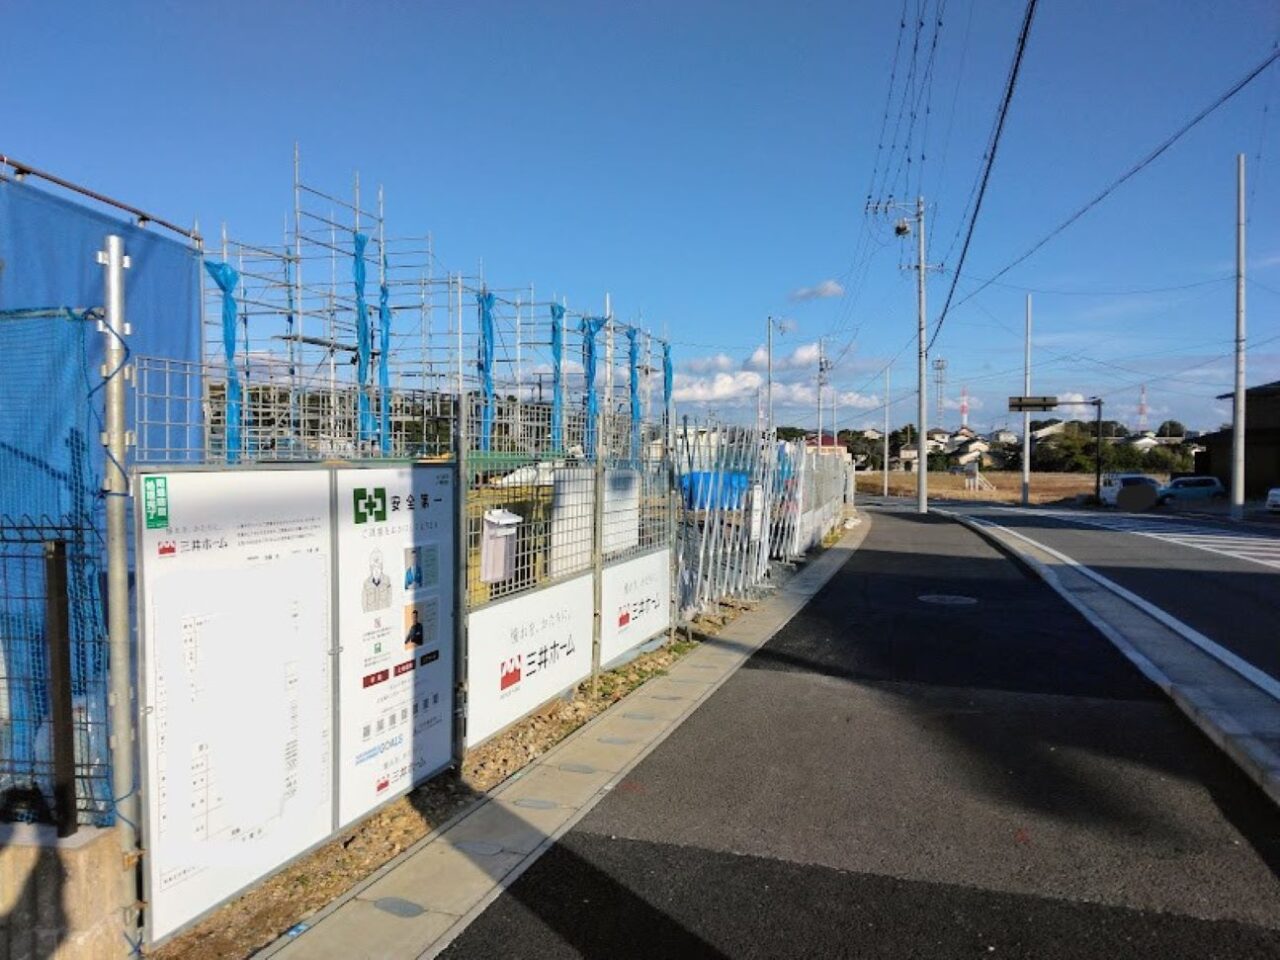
384, 364
590, 327
666, 380
225, 276
557, 379
364, 415
51, 463
484, 367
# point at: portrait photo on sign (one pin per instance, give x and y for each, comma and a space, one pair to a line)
420, 620
376, 591
412, 568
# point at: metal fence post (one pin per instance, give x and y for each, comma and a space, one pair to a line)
57, 628
597, 549
116, 484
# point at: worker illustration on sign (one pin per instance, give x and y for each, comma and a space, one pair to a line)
414, 636
377, 586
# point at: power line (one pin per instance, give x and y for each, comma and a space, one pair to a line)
1132, 172
1010, 86
989, 281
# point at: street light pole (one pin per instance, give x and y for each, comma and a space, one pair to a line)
1026, 414
1097, 445
884, 467
1237, 407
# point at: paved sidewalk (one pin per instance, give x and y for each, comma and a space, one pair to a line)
416, 904
937, 757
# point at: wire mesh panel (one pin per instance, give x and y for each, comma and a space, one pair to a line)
747, 499
48, 493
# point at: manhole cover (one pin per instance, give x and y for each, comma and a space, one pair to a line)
947, 599
399, 907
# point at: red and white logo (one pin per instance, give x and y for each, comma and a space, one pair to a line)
382, 785
624, 617
510, 672
168, 548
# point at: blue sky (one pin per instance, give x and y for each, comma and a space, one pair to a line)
705, 161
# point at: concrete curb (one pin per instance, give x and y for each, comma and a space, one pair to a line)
1234, 712
417, 904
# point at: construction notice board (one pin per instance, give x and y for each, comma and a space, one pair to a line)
395, 548
233, 574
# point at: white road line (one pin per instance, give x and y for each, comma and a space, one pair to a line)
1258, 678
1250, 547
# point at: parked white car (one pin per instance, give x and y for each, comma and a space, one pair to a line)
1113, 483
1273, 499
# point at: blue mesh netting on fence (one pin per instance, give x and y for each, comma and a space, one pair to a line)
51, 465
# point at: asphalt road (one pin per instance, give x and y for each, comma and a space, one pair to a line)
892, 777
1233, 601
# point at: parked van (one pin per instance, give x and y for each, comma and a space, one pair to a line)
1113, 483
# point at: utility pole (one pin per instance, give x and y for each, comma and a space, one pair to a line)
902, 229
1026, 414
1097, 446
1237, 410
885, 466
769, 379
822, 375
922, 459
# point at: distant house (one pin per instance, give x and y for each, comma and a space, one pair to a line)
871, 433
1003, 437
1142, 441
1261, 442
972, 451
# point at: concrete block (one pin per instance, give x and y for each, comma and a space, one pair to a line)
57, 896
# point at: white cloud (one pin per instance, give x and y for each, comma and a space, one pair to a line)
719, 387
718, 362
821, 291
858, 401
802, 357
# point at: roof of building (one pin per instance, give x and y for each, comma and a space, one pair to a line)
1271, 389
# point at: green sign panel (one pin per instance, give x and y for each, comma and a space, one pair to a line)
155, 501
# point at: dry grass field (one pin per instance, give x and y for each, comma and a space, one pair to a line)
1045, 487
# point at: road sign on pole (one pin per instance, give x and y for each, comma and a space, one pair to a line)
1031, 404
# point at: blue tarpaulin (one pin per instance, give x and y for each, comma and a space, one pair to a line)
633, 361
51, 463
590, 326
364, 416
557, 383
484, 366
384, 360
226, 277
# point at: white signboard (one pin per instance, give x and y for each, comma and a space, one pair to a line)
395, 547
571, 520
523, 651
635, 603
233, 573
621, 510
